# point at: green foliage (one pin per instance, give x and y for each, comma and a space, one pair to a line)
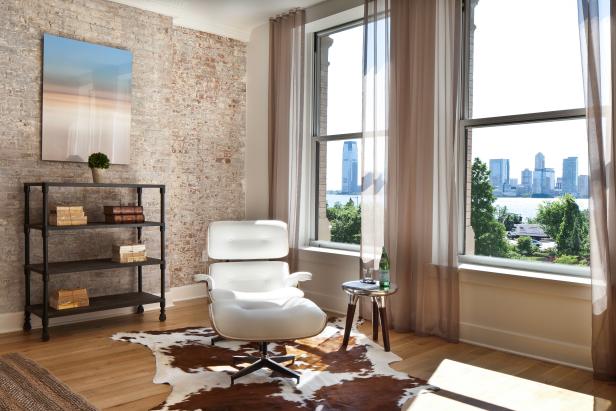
567, 259
569, 238
346, 222
490, 234
507, 218
563, 221
525, 246
98, 160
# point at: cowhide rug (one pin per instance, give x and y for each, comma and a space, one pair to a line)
359, 378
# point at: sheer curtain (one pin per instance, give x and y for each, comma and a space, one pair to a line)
409, 198
374, 130
597, 44
286, 106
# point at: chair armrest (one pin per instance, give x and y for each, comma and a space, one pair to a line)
207, 278
295, 278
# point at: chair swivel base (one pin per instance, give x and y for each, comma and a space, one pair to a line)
264, 361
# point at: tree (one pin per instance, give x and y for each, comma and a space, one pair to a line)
346, 222
550, 216
569, 239
525, 246
508, 219
563, 221
490, 235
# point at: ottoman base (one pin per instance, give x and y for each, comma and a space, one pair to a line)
264, 361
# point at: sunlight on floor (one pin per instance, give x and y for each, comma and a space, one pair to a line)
467, 387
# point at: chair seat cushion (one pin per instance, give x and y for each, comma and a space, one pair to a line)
280, 320
284, 293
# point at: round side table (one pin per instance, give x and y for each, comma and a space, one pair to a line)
356, 289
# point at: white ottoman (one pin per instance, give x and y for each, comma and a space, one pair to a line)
263, 322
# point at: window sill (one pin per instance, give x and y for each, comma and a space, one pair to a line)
329, 250
571, 279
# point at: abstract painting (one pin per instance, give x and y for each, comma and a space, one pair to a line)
86, 100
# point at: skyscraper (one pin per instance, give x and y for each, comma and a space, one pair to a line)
499, 173
539, 161
349, 168
549, 181
570, 175
527, 178
544, 179
583, 186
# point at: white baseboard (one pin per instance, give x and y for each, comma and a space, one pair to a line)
188, 292
10, 322
564, 353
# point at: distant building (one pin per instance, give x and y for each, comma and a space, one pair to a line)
350, 181
570, 175
539, 161
544, 179
583, 183
499, 174
559, 183
527, 183
533, 231
549, 181
513, 182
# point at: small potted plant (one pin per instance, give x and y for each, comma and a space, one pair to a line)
98, 163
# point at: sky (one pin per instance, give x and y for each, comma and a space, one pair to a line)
344, 105
528, 62
527, 59
107, 69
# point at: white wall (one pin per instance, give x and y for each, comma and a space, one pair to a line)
257, 66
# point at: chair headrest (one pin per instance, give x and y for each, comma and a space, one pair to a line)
247, 240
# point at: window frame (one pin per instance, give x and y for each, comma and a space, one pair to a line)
465, 123
316, 138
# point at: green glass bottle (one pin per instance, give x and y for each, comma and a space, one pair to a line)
384, 280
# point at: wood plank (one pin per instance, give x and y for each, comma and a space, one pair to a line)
118, 376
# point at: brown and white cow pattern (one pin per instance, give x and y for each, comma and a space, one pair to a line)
358, 378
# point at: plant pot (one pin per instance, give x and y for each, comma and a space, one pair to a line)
99, 175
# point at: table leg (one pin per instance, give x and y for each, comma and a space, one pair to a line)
384, 325
375, 320
349, 319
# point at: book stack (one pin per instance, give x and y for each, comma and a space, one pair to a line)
129, 253
123, 214
68, 215
73, 298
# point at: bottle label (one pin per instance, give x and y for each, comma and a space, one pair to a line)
384, 278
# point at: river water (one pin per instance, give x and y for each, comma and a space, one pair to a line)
526, 207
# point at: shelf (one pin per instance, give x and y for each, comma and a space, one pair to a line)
95, 225
106, 302
95, 185
88, 265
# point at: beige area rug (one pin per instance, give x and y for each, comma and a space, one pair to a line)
24, 385
359, 378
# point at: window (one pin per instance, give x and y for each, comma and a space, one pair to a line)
337, 125
526, 144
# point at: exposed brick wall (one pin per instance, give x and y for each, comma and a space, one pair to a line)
187, 131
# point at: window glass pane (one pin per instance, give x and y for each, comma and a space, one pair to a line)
339, 191
524, 57
528, 188
340, 87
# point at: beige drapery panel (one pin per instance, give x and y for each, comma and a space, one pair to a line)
410, 148
598, 43
421, 214
285, 124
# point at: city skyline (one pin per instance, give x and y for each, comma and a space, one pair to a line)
539, 182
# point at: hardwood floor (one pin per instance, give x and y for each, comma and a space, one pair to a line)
118, 376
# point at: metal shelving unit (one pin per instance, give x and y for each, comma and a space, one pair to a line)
47, 268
